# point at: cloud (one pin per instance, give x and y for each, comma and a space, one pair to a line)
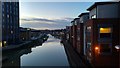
44, 23
37, 19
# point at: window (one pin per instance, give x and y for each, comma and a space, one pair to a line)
105, 32
3, 26
81, 21
93, 16
72, 23
105, 48
3, 9
10, 9
11, 32
7, 16
3, 19
88, 45
75, 22
88, 35
7, 8
3, 15
0, 43
89, 29
4, 42
2, 3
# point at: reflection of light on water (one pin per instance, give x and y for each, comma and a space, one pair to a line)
51, 53
12, 62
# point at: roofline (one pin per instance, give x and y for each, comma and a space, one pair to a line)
101, 3
76, 19
72, 21
83, 14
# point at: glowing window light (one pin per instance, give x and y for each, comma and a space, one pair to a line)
0, 44
5, 43
105, 30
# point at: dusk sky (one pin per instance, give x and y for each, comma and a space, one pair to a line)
50, 15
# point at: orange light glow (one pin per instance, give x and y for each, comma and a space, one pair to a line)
96, 48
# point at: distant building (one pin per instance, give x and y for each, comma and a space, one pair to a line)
9, 22
71, 33
74, 33
25, 34
68, 33
102, 34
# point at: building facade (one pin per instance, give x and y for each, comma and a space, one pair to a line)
71, 33
74, 33
68, 33
102, 34
9, 15
104, 10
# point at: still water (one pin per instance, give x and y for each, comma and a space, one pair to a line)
50, 53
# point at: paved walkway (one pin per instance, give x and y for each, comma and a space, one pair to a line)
73, 57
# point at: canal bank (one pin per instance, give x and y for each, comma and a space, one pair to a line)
24, 45
50, 54
75, 60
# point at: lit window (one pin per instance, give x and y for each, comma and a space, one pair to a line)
105, 30
5, 43
0, 44
89, 28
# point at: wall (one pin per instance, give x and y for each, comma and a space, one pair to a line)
107, 11
83, 19
92, 12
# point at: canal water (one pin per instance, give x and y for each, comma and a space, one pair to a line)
50, 53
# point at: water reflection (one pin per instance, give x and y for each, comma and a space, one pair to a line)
51, 53
13, 58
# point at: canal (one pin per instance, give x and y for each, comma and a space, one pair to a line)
50, 53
